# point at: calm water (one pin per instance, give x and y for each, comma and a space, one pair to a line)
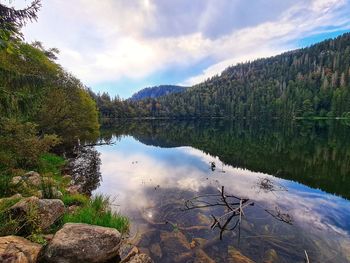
292, 180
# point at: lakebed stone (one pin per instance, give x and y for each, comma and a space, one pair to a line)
15, 249
82, 243
48, 210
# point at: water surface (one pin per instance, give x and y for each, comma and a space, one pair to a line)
294, 176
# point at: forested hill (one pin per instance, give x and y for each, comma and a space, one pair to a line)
313, 81
157, 91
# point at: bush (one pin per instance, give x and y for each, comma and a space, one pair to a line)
98, 212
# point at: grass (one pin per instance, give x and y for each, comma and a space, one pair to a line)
51, 163
76, 199
97, 211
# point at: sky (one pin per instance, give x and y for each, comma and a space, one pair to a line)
122, 46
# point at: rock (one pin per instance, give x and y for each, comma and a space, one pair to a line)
141, 258
156, 250
202, 257
33, 178
235, 256
270, 256
18, 250
82, 243
67, 177
16, 180
174, 245
73, 189
127, 251
48, 210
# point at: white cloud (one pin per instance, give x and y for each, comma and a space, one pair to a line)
106, 40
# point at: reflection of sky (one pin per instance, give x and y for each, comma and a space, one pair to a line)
129, 167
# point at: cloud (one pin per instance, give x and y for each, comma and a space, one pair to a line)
104, 41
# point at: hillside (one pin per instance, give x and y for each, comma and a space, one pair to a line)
313, 81
157, 91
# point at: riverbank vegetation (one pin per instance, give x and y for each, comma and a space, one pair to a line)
44, 113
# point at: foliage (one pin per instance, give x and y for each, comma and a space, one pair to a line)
157, 91
51, 163
313, 81
98, 212
21, 147
12, 20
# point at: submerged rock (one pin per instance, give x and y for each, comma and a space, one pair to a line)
18, 250
270, 256
48, 211
76, 243
235, 256
202, 257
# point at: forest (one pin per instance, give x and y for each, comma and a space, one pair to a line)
42, 107
308, 82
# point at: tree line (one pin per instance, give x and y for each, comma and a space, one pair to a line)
308, 82
42, 107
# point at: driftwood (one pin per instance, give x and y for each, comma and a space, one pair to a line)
234, 210
233, 205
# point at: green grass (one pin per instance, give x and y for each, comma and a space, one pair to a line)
5, 185
76, 199
51, 163
98, 212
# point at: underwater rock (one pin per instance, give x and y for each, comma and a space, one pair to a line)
270, 256
235, 256
202, 257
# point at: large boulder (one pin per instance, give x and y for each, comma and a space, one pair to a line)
18, 250
82, 243
48, 210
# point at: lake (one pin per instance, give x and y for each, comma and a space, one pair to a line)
231, 191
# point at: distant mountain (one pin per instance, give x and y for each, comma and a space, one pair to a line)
157, 91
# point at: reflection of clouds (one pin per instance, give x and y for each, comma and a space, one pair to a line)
188, 169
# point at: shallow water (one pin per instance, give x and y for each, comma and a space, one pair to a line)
295, 177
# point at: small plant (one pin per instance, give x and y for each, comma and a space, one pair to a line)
98, 212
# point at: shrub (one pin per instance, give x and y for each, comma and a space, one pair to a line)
98, 212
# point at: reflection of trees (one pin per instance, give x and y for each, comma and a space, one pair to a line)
314, 153
85, 169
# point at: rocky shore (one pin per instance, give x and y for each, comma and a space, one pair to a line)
72, 242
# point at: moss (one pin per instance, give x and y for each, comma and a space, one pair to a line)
98, 212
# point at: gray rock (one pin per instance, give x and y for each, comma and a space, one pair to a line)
82, 243
18, 250
48, 210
